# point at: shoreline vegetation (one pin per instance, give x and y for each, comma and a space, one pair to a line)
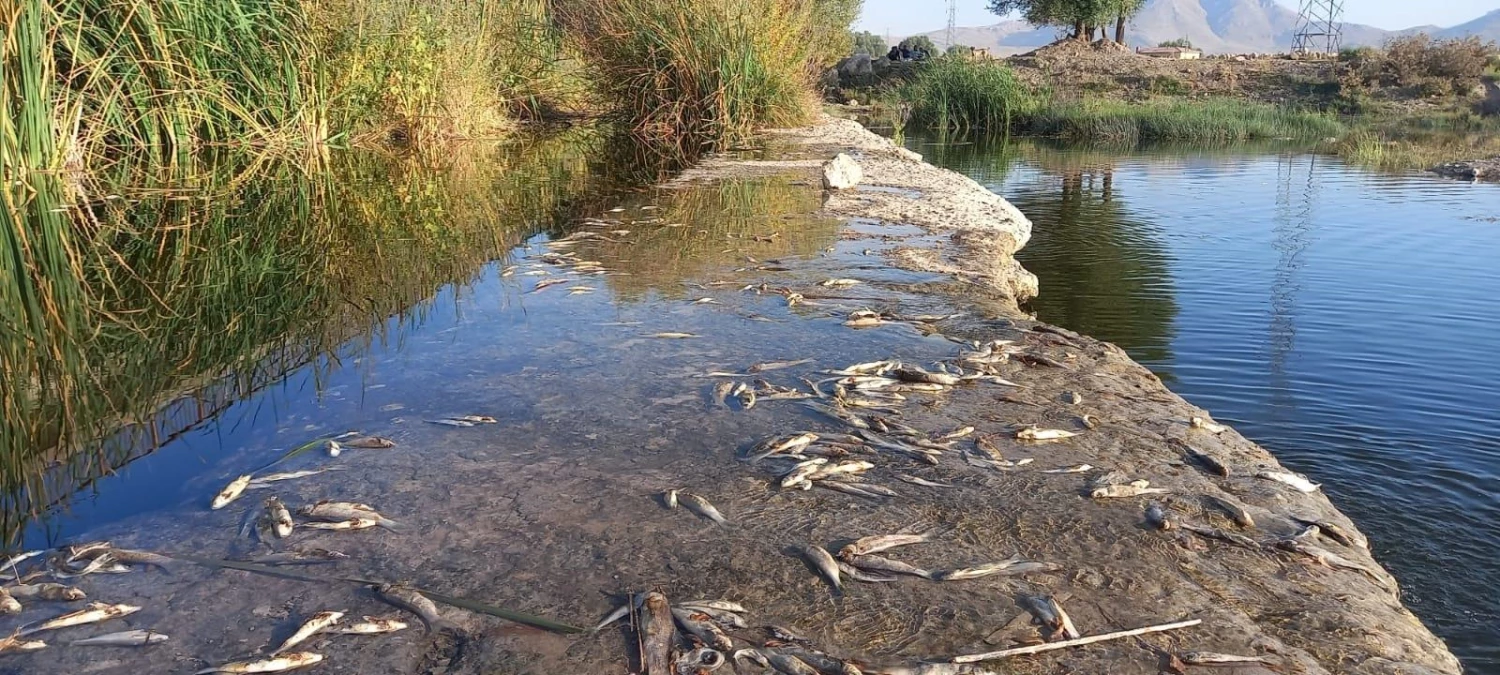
1416, 103
176, 182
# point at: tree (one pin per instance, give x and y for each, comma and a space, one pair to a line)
1124, 10
869, 43
1183, 43
919, 42
1081, 16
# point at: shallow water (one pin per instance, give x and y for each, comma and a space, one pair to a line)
1343, 319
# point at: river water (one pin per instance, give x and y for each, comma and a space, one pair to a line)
1344, 319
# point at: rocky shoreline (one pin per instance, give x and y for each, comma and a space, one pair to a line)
1255, 596
1472, 170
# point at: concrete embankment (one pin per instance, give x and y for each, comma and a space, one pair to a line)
1305, 601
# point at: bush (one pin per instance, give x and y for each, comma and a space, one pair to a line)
1167, 85
1182, 43
1422, 64
956, 93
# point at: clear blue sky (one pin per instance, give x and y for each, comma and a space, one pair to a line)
905, 17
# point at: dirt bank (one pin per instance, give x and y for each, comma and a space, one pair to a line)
557, 510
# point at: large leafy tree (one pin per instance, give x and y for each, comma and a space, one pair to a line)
920, 42
1124, 10
869, 43
1082, 17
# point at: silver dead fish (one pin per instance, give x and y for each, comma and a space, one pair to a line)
1296, 481
1215, 659
1207, 425
46, 591
823, 562
372, 626
917, 480
1236, 512
95, 613
701, 626
129, 638
231, 492
281, 518
697, 504
279, 664
882, 542
261, 482
336, 511
351, 524
1050, 615
1038, 435
1332, 531
410, 600
879, 564
1124, 491
311, 627
1012, 567
786, 445
858, 574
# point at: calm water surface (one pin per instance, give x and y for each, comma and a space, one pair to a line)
1346, 320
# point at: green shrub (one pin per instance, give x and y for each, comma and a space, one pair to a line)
1167, 85
956, 93
1182, 43
1213, 121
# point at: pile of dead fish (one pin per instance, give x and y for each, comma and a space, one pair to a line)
856, 560
29, 573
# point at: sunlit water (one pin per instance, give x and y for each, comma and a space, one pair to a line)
1344, 319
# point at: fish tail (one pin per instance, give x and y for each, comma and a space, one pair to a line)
390, 525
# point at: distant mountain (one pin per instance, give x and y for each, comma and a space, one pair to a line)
1486, 27
1215, 26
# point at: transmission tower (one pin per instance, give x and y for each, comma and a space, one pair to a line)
952, 20
1320, 28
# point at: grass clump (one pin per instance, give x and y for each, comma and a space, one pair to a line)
694, 73
1212, 121
957, 93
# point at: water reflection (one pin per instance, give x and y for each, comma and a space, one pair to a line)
175, 301
1339, 317
1103, 270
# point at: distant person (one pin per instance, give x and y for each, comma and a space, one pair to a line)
894, 54
906, 53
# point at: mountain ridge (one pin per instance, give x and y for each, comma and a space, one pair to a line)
1215, 26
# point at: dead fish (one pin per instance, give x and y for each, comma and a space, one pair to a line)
334, 448
879, 564
372, 626
8, 604
839, 283
87, 551
934, 669
697, 504
907, 373
409, 599
310, 628
670, 498
129, 638
231, 492
700, 660
701, 626
1012, 567
1081, 468
46, 591
1124, 491
747, 399
956, 433
13, 561
705, 301
858, 574
277, 665
1214, 659
369, 443
864, 321
1158, 517
475, 419
882, 542
103, 563
1049, 614
313, 556
1207, 425
1038, 435
449, 422
547, 283
787, 664
95, 613
776, 365
261, 482
1334, 532
721, 394
752, 656
788, 444
1207, 461
660, 634
281, 518
669, 335
721, 616
130, 557
1329, 558
823, 562
820, 662
988, 447
1236, 512
336, 511
350, 524
842, 468
1296, 481
917, 480
1072, 398
718, 605
14, 643
802, 471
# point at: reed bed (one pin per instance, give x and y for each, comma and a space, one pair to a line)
958, 94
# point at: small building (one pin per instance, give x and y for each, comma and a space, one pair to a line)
1179, 53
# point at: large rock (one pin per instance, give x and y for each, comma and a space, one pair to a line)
842, 173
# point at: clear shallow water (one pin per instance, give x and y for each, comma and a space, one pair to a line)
1344, 319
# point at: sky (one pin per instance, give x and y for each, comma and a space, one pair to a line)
906, 17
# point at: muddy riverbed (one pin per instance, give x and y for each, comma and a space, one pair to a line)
556, 509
